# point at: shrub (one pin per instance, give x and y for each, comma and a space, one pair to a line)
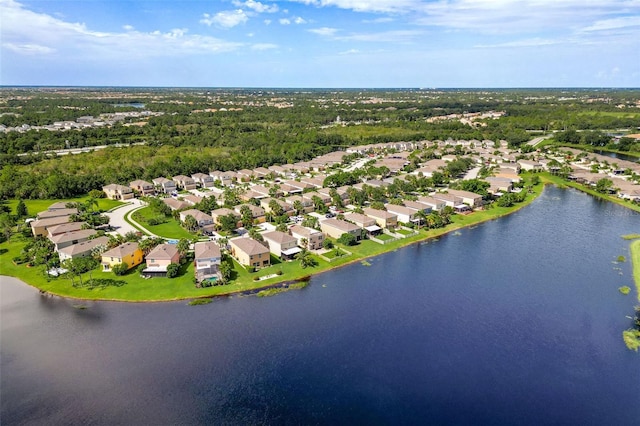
120, 268
172, 270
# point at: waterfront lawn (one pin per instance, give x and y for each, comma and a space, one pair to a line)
170, 229
36, 206
563, 183
635, 259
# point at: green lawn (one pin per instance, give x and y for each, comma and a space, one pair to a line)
36, 206
384, 237
635, 259
170, 229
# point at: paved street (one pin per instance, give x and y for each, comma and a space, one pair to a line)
116, 218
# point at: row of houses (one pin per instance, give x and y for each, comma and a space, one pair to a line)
207, 258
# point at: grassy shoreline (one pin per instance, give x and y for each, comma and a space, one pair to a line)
136, 289
634, 249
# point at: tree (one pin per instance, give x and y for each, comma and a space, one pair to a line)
347, 239
228, 222
149, 244
298, 207
190, 223
172, 270
378, 205
226, 270
327, 244
275, 207
21, 209
604, 185
183, 246
246, 216
306, 259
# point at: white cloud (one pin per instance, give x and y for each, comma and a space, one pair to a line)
267, 21
225, 19
532, 42
128, 27
324, 31
299, 20
372, 6
284, 21
264, 46
396, 36
350, 52
614, 24
29, 49
31, 33
256, 6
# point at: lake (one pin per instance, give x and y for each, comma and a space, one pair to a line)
516, 321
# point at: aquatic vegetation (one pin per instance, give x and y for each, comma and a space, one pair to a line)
632, 339
624, 289
197, 302
621, 259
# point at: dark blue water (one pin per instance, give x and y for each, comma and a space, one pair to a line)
517, 321
617, 155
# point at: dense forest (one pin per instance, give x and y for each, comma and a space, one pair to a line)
199, 130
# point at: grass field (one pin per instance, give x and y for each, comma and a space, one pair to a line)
635, 259
36, 206
170, 229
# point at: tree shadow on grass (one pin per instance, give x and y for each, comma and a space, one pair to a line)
99, 283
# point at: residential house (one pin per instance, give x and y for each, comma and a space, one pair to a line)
65, 227
261, 172
289, 189
530, 165
159, 258
202, 218
223, 211
143, 187
469, 198
317, 181
314, 238
308, 196
449, 199
336, 227
419, 206
164, 185
363, 221
207, 261
185, 182
383, 218
281, 244
40, 227
128, 253
83, 249
175, 204
264, 203
499, 185
405, 214
191, 199
58, 205
307, 204
249, 252
48, 214
245, 175
202, 179
118, 192
73, 237
257, 213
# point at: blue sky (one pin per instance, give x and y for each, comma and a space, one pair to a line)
321, 43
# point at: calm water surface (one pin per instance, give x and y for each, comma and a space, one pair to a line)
517, 321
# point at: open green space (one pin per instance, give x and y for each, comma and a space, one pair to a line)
169, 229
36, 206
635, 259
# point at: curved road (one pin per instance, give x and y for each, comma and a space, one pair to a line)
116, 217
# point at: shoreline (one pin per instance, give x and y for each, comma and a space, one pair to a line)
437, 233
308, 274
